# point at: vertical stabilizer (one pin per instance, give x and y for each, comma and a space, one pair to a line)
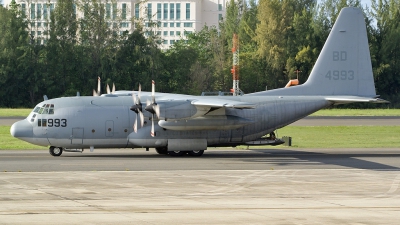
344, 64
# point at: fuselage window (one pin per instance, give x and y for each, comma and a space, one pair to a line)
39, 122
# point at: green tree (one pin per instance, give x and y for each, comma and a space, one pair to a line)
14, 46
386, 48
62, 58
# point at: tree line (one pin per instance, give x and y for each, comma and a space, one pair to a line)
277, 37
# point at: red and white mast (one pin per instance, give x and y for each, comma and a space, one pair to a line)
235, 68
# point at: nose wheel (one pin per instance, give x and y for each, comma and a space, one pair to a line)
55, 151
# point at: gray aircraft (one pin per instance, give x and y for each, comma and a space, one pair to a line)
177, 124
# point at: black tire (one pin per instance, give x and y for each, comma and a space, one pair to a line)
176, 153
55, 151
162, 150
196, 153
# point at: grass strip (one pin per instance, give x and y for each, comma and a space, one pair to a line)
14, 112
357, 112
9, 142
343, 136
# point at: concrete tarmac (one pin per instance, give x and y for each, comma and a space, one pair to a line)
224, 186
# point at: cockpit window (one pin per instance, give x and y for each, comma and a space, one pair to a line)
36, 109
45, 109
33, 117
51, 109
41, 110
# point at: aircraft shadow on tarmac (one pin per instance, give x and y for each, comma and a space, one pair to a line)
279, 157
349, 160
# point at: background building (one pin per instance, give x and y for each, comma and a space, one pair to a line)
170, 20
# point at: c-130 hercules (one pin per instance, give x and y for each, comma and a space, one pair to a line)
176, 124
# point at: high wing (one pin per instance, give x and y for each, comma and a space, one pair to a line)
222, 103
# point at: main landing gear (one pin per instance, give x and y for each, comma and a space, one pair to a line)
164, 151
55, 151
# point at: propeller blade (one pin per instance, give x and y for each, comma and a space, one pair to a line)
148, 102
141, 118
135, 125
98, 86
134, 97
140, 90
153, 90
152, 126
108, 89
157, 110
113, 88
94, 93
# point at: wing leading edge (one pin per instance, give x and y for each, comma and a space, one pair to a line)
222, 103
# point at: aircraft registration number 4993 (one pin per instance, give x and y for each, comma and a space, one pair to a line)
340, 75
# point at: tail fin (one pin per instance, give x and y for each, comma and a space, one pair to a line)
344, 64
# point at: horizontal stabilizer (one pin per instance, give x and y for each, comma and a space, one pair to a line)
351, 99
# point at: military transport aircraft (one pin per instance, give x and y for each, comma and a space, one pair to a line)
177, 124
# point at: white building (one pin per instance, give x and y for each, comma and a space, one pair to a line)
174, 19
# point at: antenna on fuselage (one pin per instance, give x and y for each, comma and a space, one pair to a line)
45, 97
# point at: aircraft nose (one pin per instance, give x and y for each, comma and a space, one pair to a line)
21, 129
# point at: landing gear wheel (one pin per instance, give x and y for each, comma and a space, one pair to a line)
162, 150
196, 153
176, 153
55, 151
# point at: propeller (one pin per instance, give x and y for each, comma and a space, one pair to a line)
108, 89
137, 108
152, 107
98, 88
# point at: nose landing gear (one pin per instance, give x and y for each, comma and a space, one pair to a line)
55, 151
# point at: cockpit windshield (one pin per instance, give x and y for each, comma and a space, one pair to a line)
45, 109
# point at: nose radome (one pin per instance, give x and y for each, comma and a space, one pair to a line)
21, 129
